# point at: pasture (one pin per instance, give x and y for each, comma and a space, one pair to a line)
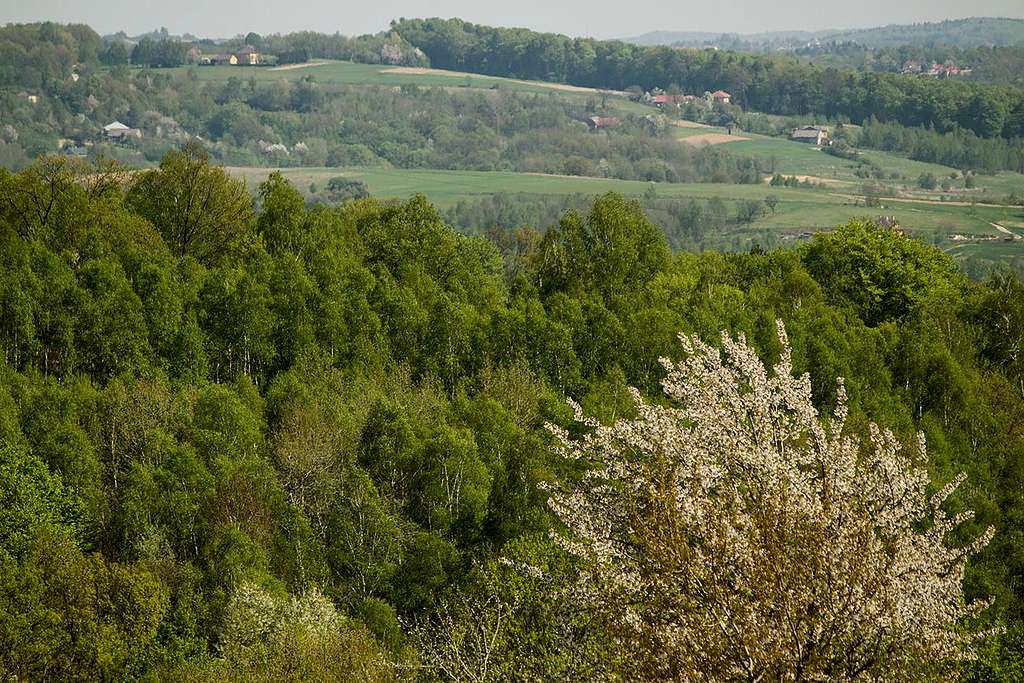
797, 210
332, 72
800, 159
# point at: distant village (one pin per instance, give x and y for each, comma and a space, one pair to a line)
660, 98
949, 69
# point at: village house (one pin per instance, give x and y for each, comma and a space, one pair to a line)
598, 122
722, 96
248, 55
271, 147
32, 99
815, 135
935, 70
120, 132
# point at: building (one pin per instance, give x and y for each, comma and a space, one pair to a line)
722, 96
598, 122
662, 99
248, 55
814, 135
118, 131
911, 67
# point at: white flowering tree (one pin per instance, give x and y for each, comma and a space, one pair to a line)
737, 535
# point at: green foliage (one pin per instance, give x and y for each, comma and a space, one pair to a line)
883, 274
198, 208
196, 441
32, 502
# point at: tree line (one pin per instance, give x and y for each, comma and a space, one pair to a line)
774, 85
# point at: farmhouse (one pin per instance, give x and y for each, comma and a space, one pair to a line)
722, 96
663, 99
815, 135
118, 131
598, 122
247, 55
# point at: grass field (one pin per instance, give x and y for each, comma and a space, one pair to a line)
796, 158
798, 209
351, 73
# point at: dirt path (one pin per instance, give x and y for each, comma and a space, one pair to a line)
683, 123
1005, 231
289, 67
936, 202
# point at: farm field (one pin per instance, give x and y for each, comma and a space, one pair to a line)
796, 158
798, 209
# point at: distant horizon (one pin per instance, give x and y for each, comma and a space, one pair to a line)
570, 17
710, 32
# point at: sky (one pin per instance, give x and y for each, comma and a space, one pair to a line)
601, 19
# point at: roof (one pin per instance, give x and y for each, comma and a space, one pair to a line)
604, 121
116, 125
809, 132
720, 93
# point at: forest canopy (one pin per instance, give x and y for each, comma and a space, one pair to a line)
317, 443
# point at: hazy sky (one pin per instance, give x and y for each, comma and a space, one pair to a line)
574, 17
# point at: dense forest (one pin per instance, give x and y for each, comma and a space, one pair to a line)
773, 85
249, 440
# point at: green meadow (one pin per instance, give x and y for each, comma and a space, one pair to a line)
798, 209
351, 73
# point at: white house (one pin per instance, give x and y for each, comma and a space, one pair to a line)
815, 135
118, 131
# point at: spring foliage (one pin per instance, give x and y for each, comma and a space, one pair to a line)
735, 534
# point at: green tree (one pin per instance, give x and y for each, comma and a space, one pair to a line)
199, 209
881, 273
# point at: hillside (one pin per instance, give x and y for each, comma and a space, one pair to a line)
972, 32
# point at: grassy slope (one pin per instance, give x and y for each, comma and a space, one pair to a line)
797, 158
350, 73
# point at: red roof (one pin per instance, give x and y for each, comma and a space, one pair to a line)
718, 94
665, 99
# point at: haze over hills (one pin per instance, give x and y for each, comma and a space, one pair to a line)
972, 32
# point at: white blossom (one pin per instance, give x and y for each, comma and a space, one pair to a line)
736, 534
